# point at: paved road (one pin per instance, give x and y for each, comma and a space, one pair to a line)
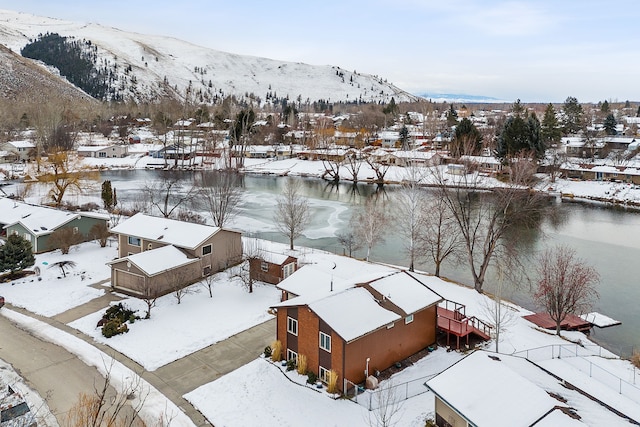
49, 368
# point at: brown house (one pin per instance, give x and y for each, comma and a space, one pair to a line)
156, 255
271, 267
359, 330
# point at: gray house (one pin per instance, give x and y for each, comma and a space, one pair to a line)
37, 223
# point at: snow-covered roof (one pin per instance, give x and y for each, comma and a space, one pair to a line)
178, 233
414, 154
94, 147
38, 219
404, 291
22, 144
352, 313
310, 280
273, 257
159, 260
493, 394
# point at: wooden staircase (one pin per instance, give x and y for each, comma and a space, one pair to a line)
453, 320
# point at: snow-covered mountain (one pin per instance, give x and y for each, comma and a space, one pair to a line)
148, 67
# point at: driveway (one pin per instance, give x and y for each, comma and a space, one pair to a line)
59, 376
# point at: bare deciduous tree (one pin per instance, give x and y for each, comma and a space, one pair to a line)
222, 198
292, 211
65, 173
388, 406
109, 407
369, 225
440, 239
409, 216
500, 314
484, 215
349, 240
169, 193
251, 251
100, 232
566, 284
63, 239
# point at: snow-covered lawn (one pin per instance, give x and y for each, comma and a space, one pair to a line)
54, 293
176, 330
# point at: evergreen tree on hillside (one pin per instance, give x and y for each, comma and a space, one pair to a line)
76, 60
604, 107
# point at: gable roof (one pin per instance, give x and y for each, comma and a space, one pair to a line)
158, 260
405, 292
494, 393
172, 232
352, 313
39, 220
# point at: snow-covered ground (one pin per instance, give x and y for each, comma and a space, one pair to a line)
261, 391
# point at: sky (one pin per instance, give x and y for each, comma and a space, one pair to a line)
536, 51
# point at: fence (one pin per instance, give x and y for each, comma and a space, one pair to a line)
563, 350
388, 394
575, 355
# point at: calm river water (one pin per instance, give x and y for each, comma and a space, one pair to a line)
607, 238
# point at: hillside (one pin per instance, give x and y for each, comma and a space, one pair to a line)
21, 80
149, 67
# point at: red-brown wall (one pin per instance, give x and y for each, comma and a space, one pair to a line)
384, 346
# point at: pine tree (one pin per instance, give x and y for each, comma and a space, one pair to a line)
452, 116
604, 107
467, 139
107, 195
16, 254
610, 124
550, 128
520, 135
572, 115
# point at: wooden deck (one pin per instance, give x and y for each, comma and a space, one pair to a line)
570, 323
453, 320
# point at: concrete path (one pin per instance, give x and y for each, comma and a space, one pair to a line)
172, 380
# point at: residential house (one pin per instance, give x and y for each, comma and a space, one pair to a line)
484, 164
103, 151
22, 150
37, 223
414, 158
342, 329
156, 255
271, 267
594, 172
490, 389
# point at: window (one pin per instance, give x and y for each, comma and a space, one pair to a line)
292, 326
323, 374
390, 325
27, 237
264, 266
292, 355
134, 241
102, 154
288, 270
75, 230
206, 270
325, 342
206, 250
408, 319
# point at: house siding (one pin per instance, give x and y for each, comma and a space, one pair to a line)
384, 346
274, 273
446, 416
131, 280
